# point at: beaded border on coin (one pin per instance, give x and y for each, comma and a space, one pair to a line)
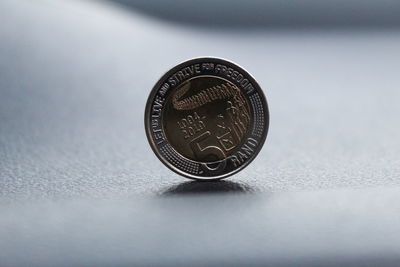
224, 69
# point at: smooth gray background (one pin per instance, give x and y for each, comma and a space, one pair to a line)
80, 185
261, 14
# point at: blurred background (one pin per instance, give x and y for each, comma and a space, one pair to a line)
259, 15
79, 184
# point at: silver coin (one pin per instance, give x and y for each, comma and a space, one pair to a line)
206, 118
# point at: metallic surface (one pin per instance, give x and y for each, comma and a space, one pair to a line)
206, 118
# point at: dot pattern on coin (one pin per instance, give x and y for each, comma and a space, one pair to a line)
172, 156
206, 118
258, 108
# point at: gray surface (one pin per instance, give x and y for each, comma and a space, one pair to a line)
80, 185
340, 228
252, 14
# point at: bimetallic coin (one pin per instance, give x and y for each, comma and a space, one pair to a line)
206, 118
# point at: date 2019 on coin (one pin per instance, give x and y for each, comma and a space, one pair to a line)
206, 118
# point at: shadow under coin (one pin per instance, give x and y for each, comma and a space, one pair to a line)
208, 187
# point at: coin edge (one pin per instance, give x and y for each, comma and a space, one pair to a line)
154, 91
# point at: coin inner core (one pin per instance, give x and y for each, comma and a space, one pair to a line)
206, 118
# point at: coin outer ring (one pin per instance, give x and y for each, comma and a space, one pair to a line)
164, 78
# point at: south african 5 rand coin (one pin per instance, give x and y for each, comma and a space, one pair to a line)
206, 118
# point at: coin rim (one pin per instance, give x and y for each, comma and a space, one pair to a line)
155, 90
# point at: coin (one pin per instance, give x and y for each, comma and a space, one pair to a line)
206, 118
